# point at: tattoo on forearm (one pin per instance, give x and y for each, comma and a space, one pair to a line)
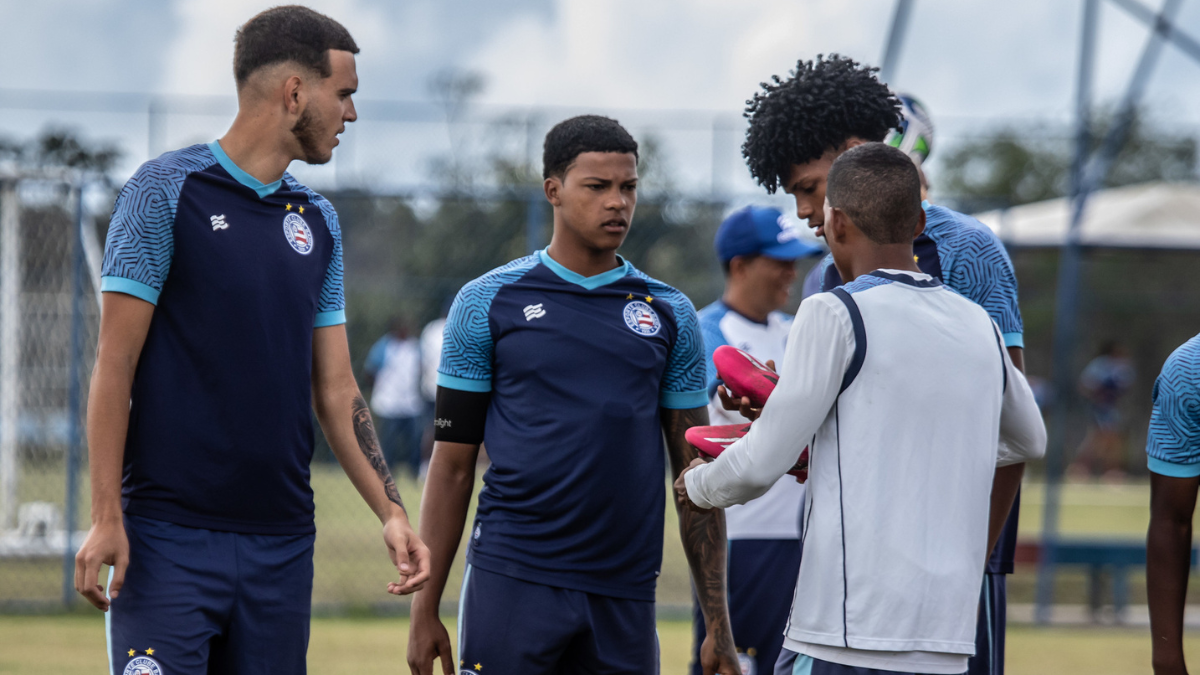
368, 442
703, 533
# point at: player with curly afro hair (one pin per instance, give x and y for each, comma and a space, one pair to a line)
799, 125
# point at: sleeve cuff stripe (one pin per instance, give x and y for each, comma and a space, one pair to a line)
129, 287
683, 400
1014, 340
463, 384
1172, 469
333, 318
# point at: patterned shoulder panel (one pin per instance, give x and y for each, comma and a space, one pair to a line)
710, 329
865, 282
1175, 420
467, 346
976, 265
828, 281
140, 240
333, 293
686, 369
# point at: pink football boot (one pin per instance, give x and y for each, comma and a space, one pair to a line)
712, 441
744, 375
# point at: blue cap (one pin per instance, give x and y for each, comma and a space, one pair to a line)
760, 230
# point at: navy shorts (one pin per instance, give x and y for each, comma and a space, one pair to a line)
989, 629
198, 601
791, 663
762, 582
506, 625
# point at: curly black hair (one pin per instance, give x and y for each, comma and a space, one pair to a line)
585, 133
819, 107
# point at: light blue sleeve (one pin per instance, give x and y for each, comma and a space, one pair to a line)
683, 384
140, 241
467, 343
331, 306
710, 329
977, 266
1173, 441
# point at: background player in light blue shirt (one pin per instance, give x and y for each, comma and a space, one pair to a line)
1173, 455
570, 365
798, 126
222, 331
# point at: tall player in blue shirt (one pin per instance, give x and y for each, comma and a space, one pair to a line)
798, 126
569, 365
1173, 450
222, 330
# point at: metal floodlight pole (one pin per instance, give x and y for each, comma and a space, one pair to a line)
1085, 177
10, 335
895, 40
1186, 43
74, 401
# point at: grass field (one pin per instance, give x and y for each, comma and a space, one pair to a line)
74, 645
352, 569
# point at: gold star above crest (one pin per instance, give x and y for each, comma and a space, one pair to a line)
914, 258
478, 666
131, 652
288, 207
150, 652
301, 209
649, 299
629, 297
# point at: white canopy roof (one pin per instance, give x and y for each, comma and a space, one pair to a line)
1149, 215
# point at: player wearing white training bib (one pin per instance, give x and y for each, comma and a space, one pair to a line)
889, 578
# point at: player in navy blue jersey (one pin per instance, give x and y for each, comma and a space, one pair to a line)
569, 365
1173, 451
798, 126
222, 330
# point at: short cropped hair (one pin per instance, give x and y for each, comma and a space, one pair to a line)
586, 133
821, 105
878, 187
288, 33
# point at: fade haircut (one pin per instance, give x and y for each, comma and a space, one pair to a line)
821, 105
878, 187
288, 33
586, 133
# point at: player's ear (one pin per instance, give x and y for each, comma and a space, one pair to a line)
293, 94
552, 186
920, 225
836, 224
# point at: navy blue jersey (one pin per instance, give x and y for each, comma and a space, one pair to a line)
220, 426
967, 257
578, 369
1173, 444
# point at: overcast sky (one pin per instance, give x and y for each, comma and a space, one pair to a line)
974, 63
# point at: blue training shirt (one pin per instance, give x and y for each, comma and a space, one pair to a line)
1173, 444
220, 426
578, 368
970, 259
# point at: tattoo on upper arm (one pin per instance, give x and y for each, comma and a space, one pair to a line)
368, 442
703, 533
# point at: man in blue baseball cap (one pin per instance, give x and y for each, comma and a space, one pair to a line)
758, 249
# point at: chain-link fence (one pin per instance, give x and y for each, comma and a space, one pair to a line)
48, 324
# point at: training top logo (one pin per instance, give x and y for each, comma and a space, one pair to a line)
641, 319
296, 231
787, 231
143, 665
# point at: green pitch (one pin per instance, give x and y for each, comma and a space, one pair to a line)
69, 645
